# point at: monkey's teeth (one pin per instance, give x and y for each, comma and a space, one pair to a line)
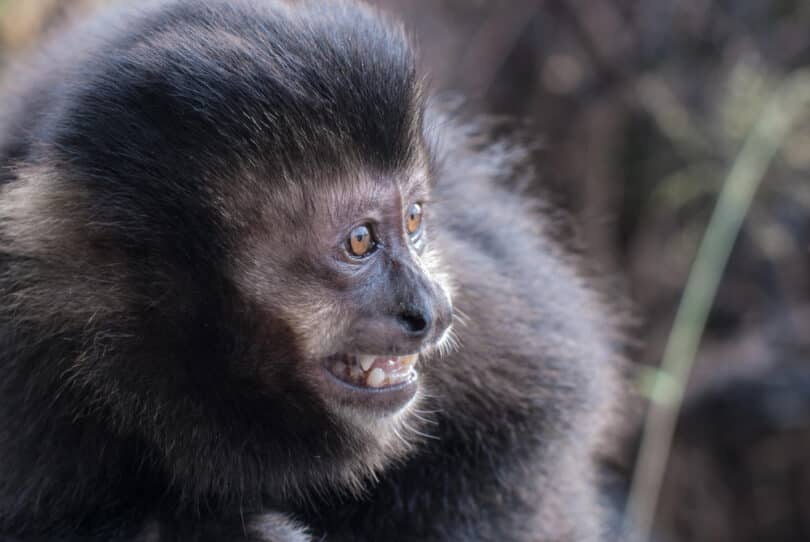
356, 372
366, 362
375, 378
373, 371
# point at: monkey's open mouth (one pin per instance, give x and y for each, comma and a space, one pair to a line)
373, 371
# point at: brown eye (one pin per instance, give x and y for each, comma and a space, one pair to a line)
360, 241
413, 222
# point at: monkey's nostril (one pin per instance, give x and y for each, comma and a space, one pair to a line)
414, 322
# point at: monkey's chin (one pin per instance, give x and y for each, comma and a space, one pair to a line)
384, 384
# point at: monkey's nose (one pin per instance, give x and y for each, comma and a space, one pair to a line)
415, 322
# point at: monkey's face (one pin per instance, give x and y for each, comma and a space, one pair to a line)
349, 270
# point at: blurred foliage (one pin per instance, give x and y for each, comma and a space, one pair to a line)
786, 107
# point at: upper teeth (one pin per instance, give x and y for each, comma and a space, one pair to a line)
366, 361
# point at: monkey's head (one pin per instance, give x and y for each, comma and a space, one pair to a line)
223, 222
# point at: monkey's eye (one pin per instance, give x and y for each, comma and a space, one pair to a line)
361, 243
413, 220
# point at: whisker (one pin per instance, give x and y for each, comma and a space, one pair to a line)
423, 418
461, 316
420, 433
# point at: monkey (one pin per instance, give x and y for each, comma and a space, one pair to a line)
259, 285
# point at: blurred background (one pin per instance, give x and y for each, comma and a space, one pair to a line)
640, 108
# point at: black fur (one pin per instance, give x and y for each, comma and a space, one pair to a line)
149, 159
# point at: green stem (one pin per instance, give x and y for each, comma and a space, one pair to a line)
783, 110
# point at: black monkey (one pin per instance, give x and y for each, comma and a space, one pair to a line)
255, 287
